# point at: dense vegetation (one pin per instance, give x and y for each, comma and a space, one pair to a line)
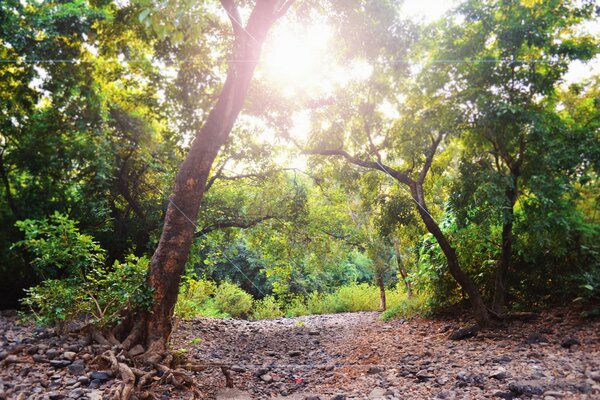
453, 161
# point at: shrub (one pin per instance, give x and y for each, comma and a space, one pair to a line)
406, 308
100, 297
230, 299
296, 308
193, 295
52, 302
59, 249
354, 297
267, 308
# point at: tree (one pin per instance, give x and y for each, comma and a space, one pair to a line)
511, 99
168, 261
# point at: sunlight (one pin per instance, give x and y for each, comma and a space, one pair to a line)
296, 57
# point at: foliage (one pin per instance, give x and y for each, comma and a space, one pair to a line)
99, 140
266, 308
193, 294
232, 300
407, 308
101, 298
59, 249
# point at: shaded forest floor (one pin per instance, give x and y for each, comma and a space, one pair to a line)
342, 356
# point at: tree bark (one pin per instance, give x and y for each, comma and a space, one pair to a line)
382, 300
170, 257
402, 269
501, 275
479, 309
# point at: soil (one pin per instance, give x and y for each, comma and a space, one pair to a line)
330, 357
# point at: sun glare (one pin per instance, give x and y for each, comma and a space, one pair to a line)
296, 57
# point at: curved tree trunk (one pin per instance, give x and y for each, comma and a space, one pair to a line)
479, 308
170, 257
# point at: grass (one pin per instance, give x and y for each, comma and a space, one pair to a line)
205, 299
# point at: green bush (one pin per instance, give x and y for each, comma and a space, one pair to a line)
355, 297
296, 308
406, 308
267, 308
232, 300
99, 298
58, 248
193, 294
53, 302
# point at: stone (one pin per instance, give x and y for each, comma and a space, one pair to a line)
294, 353
3, 355
374, 370
95, 384
60, 363
136, 350
570, 342
38, 358
232, 394
76, 393
338, 397
504, 395
261, 371
33, 350
100, 375
499, 374
594, 375
423, 375
55, 396
266, 378
526, 388
237, 368
464, 333
52, 353
84, 380
378, 393
69, 355
97, 395
536, 338
77, 367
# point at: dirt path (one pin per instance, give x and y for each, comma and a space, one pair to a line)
332, 357
358, 356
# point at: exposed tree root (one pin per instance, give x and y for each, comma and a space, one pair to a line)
139, 375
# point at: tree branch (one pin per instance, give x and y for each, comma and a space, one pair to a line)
244, 224
398, 175
429, 157
283, 9
234, 16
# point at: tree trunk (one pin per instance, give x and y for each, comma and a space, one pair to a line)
501, 276
479, 308
382, 301
170, 257
402, 269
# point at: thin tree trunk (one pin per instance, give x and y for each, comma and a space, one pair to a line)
169, 259
402, 269
477, 304
501, 275
382, 300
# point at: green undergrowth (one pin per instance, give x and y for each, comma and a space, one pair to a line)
205, 298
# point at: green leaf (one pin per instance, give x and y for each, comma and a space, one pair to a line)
143, 15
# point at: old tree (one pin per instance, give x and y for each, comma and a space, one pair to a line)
168, 262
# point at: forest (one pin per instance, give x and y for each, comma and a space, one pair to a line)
262, 160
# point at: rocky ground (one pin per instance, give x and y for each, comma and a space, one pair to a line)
331, 357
